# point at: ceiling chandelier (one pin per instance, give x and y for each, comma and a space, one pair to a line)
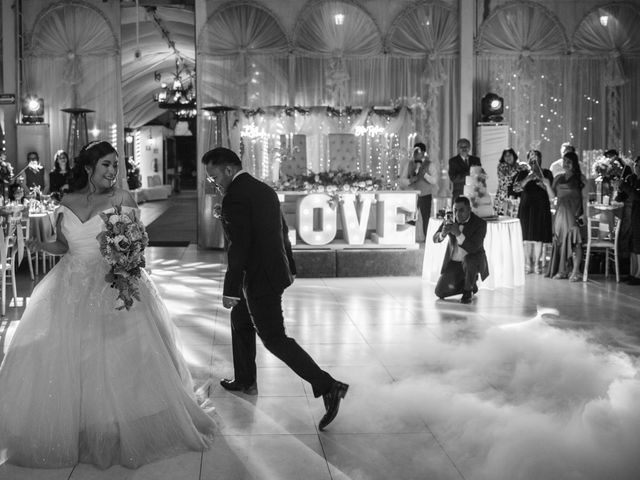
179, 94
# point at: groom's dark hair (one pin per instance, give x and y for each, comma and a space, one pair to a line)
221, 156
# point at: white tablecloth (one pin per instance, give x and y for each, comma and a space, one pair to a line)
504, 248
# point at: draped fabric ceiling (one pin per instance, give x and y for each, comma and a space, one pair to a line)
558, 85
72, 60
412, 72
582, 88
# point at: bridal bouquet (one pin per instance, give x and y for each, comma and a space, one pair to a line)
122, 246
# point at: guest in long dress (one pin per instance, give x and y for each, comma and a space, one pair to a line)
534, 188
507, 168
569, 188
631, 187
60, 176
16, 194
556, 167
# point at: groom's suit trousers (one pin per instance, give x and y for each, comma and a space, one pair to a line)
243, 343
265, 313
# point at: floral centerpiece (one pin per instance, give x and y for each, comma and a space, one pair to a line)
122, 245
332, 182
609, 170
6, 174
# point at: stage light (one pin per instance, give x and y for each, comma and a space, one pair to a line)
32, 109
492, 108
604, 20
338, 18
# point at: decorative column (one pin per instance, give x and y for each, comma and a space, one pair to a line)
467, 11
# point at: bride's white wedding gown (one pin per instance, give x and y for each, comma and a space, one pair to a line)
83, 382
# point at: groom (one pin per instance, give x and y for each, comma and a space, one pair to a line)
258, 272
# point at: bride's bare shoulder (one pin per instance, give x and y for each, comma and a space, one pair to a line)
70, 200
125, 198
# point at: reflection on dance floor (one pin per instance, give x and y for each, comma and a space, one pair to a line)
539, 381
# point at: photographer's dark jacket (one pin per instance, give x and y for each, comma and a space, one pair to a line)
474, 231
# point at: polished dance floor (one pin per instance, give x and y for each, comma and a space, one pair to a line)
539, 382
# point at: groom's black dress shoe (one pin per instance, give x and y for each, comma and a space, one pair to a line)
466, 296
235, 386
332, 402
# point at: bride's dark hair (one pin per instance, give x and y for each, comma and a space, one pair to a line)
89, 156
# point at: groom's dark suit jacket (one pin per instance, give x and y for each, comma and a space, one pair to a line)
259, 251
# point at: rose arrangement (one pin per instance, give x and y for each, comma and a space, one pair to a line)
331, 181
122, 245
6, 170
609, 168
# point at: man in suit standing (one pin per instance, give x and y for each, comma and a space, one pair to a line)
459, 166
258, 271
465, 257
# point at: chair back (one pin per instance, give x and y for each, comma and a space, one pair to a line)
7, 238
602, 227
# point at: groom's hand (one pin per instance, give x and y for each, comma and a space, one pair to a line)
229, 302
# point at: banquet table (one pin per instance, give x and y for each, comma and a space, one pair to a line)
504, 248
42, 226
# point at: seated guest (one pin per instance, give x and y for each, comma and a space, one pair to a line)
465, 257
16, 194
61, 174
631, 188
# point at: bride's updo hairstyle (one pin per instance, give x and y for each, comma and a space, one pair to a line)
88, 158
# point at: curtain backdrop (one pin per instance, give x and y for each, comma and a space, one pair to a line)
552, 96
73, 60
332, 65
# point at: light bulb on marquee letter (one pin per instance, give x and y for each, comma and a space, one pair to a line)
389, 219
327, 224
355, 221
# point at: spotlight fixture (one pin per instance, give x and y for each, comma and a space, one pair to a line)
492, 108
32, 109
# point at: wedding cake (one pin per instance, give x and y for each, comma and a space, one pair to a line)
475, 189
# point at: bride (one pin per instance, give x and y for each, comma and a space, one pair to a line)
82, 381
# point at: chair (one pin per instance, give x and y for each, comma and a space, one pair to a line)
26, 230
8, 253
603, 229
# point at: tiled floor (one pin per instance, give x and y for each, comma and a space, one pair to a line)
504, 388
